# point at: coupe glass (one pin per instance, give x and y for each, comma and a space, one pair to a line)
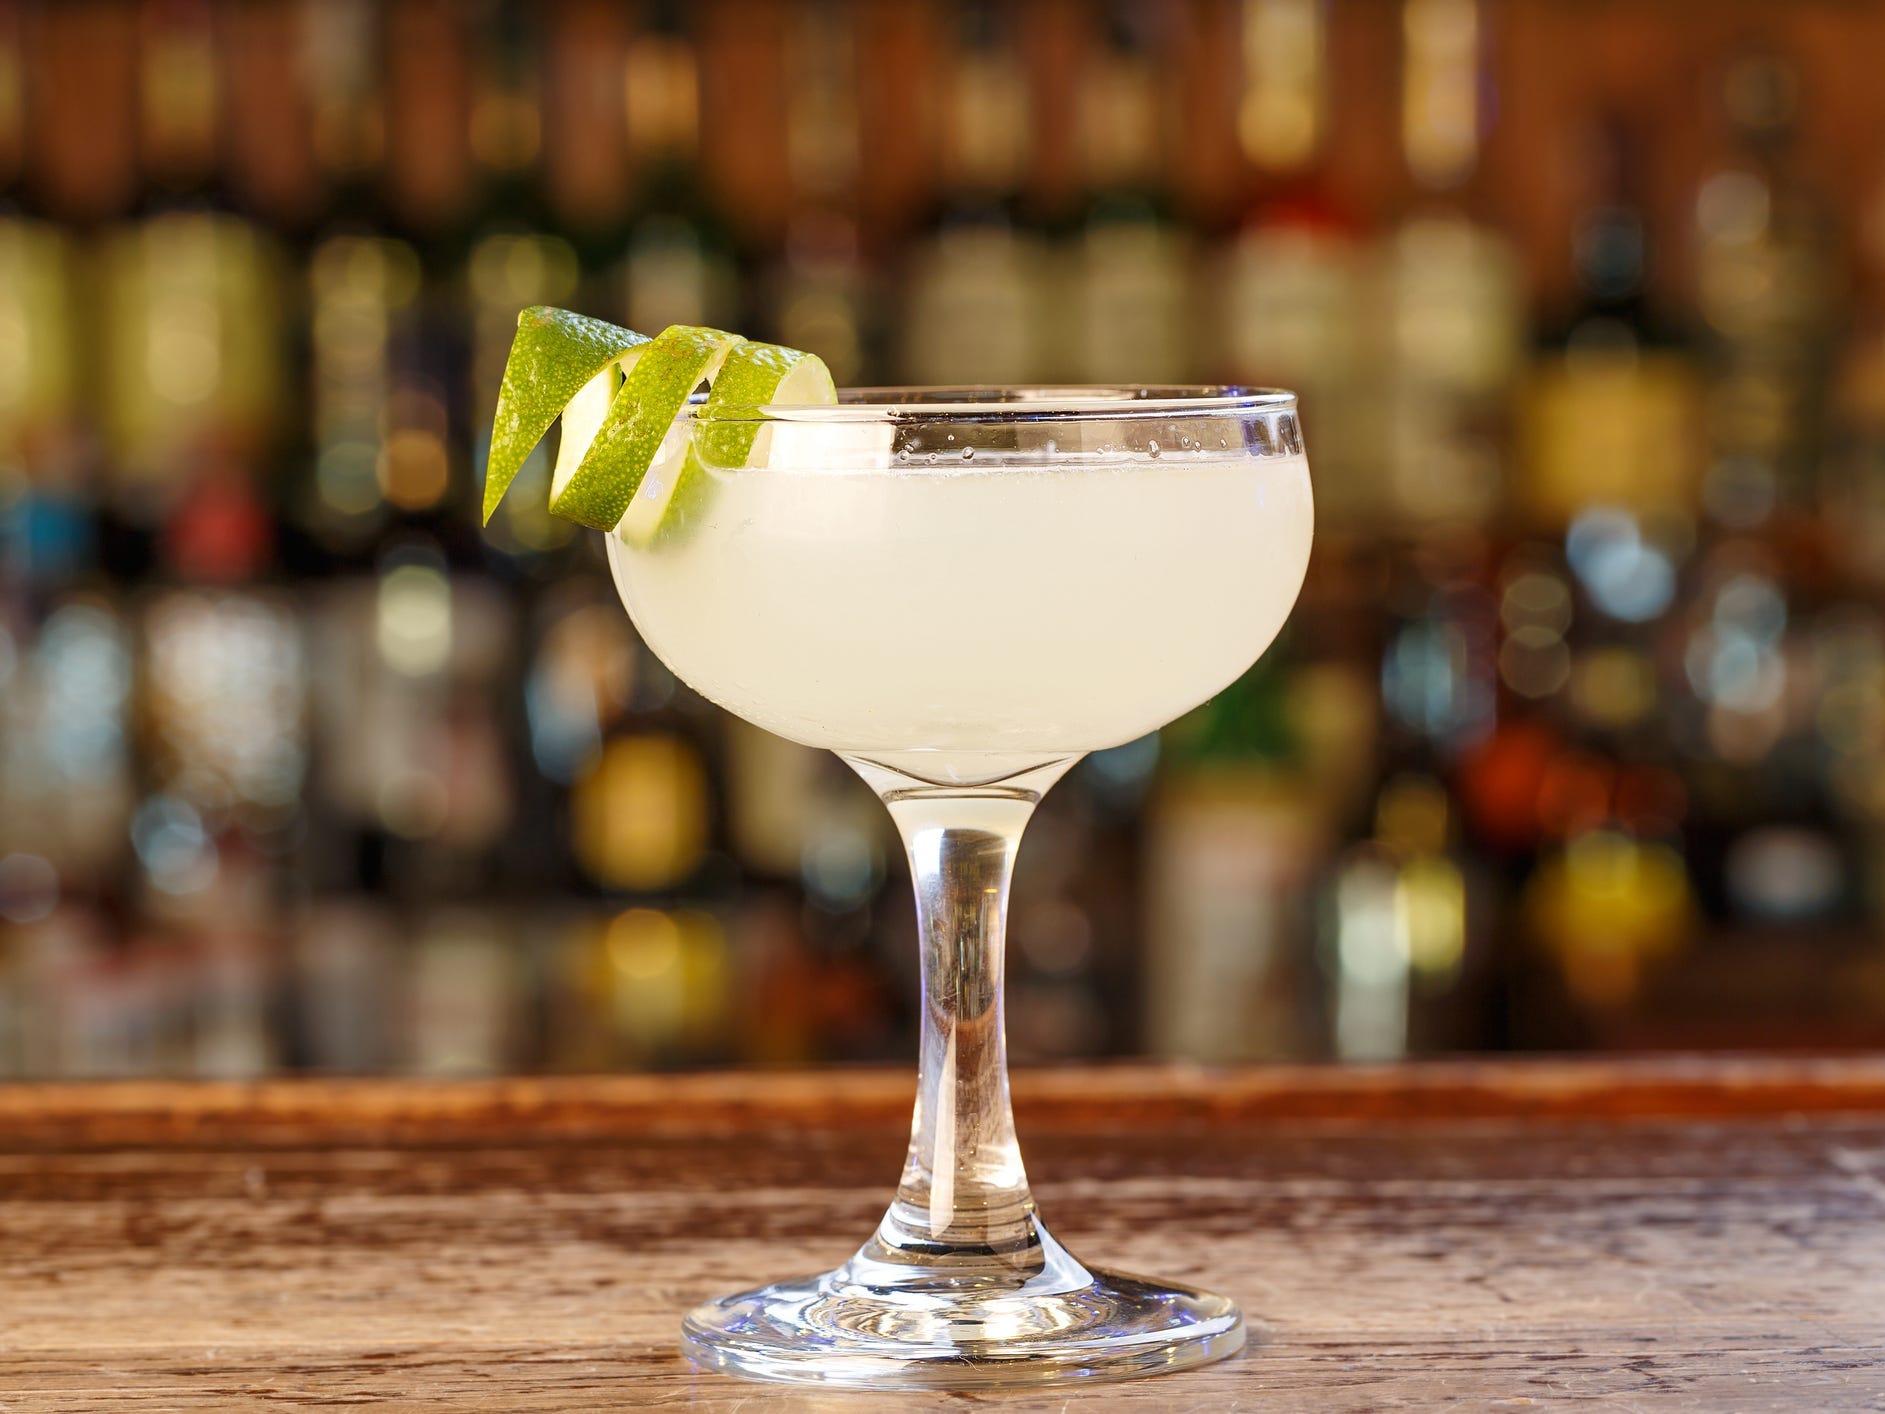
961, 592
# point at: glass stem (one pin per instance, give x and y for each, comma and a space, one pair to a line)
963, 1182
964, 1199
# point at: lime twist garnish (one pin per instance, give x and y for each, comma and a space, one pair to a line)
625, 463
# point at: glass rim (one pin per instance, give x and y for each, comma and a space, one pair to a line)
997, 403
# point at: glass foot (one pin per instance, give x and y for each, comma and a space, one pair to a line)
833, 1330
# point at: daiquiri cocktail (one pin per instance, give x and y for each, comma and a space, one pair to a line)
960, 592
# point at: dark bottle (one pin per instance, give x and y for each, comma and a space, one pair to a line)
1131, 263
973, 302
1613, 413
676, 265
193, 312
1766, 282
48, 462
819, 293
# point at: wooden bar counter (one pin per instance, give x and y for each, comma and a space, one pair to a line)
1667, 1234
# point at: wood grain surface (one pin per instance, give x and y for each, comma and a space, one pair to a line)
1676, 1235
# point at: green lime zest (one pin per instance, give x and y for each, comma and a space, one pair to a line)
754, 375
676, 493
597, 492
625, 461
552, 356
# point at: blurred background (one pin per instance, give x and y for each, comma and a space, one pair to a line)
1577, 738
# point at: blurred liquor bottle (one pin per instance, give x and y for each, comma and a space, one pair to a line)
1611, 424
641, 987
1450, 292
1766, 286
67, 155
362, 296
413, 800
446, 800
407, 670
678, 267
463, 123
642, 805
1129, 301
822, 288
224, 684
48, 466
1852, 489
1231, 841
1849, 657
344, 987
81, 101
804, 827
423, 140
223, 744
411, 643
801, 825
271, 134
1402, 936
775, 1015
580, 671
1593, 743
67, 770
1437, 674
197, 407
339, 52
302, 134
66, 765
567, 70
1293, 311
1763, 832
1610, 909
191, 305
1612, 430
229, 955
646, 829
973, 309
1397, 934
13, 102
428, 170
1074, 936
463, 1005
648, 984
1611, 410
1585, 745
